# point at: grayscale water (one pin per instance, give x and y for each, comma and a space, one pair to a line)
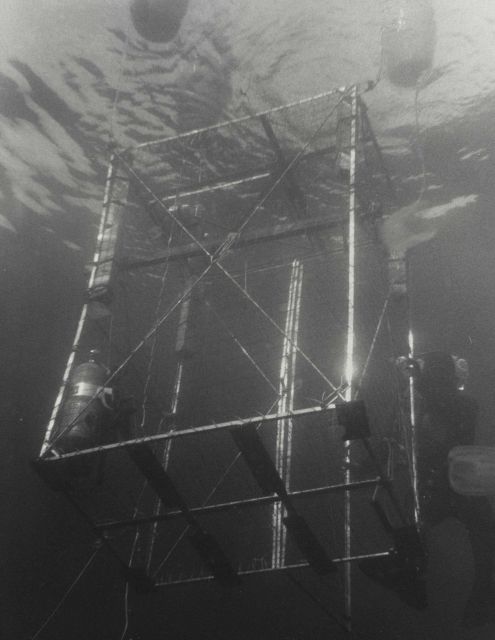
74, 78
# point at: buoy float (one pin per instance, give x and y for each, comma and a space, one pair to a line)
158, 20
408, 41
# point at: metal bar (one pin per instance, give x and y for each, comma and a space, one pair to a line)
283, 452
206, 546
291, 567
349, 367
252, 237
290, 185
192, 431
259, 461
47, 447
226, 123
291, 188
216, 186
270, 481
237, 504
413, 414
180, 345
385, 483
84, 312
101, 538
113, 203
241, 178
215, 260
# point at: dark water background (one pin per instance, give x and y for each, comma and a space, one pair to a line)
75, 74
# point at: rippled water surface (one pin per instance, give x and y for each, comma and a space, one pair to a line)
75, 74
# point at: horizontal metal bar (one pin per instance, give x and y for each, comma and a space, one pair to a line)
291, 567
265, 234
228, 123
234, 180
236, 504
191, 431
222, 184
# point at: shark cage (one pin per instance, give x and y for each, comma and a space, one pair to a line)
231, 405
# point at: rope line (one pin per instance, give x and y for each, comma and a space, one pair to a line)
267, 316
372, 346
66, 595
316, 601
123, 62
131, 558
241, 346
126, 611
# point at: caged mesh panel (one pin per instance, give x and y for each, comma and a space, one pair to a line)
222, 295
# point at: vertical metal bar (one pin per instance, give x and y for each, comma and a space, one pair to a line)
283, 452
349, 364
65, 382
107, 203
180, 344
413, 413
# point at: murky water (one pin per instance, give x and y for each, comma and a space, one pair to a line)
75, 77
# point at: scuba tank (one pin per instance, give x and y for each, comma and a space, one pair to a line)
88, 407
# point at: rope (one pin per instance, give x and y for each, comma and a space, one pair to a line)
303, 355
317, 601
126, 611
372, 346
131, 558
241, 347
66, 595
123, 62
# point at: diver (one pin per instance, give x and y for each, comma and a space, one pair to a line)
447, 418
